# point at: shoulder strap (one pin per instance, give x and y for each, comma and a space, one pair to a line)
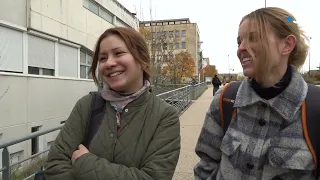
311, 123
227, 98
95, 117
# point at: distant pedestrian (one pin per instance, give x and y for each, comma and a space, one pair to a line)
216, 84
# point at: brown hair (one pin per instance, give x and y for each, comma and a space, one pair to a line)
135, 44
277, 18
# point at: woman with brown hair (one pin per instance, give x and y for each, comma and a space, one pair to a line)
264, 139
139, 137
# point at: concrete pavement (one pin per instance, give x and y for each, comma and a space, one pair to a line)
191, 123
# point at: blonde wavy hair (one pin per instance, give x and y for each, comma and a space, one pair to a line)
282, 26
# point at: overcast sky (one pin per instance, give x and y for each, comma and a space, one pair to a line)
218, 23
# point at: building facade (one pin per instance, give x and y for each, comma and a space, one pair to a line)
175, 35
46, 49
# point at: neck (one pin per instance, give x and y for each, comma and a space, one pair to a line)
134, 88
274, 76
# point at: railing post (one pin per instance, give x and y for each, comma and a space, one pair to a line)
6, 164
193, 92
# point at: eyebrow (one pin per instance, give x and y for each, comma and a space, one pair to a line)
250, 33
104, 53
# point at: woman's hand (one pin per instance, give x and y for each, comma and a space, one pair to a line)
77, 153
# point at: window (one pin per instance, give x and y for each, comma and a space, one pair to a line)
68, 61
40, 71
183, 33
171, 23
177, 45
85, 64
106, 15
35, 141
165, 46
11, 50
147, 24
121, 23
177, 33
183, 45
41, 54
170, 33
91, 6
16, 157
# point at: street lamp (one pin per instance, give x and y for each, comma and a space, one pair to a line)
309, 37
265, 3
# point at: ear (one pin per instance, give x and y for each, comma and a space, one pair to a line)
289, 44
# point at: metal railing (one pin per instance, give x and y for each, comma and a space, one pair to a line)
180, 98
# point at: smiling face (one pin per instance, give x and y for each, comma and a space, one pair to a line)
260, 52
118, 68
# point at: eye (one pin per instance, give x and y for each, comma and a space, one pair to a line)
119, 53
238, 42
103, 58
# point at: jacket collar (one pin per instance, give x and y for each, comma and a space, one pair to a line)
286, 103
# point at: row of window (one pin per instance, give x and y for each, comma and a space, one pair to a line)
103, 13
176, 33
44, 57
172, 46
166, 23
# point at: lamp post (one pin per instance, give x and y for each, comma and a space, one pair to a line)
265, 3
309, 37
229, 65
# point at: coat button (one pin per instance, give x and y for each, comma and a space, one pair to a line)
262, 122
126, 110
111, 135
250, 166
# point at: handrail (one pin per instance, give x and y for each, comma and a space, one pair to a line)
180, 98
32, 135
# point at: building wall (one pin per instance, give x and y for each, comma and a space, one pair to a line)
77, 20
14, 12
191, 38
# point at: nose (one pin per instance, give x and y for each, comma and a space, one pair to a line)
110, 63
242, 46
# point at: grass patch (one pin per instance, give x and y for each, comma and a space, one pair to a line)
20, 172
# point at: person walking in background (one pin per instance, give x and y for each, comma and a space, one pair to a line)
216, 84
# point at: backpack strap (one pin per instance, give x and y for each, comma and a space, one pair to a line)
227, 98
95, 117
311, 123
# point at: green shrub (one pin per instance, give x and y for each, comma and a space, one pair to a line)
19, 172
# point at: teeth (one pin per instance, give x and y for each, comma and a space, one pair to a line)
246, 59
115, 74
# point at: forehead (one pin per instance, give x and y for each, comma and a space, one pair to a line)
247, 26
111, 41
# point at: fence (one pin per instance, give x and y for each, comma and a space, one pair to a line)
180, 98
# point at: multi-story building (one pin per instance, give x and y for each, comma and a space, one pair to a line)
45, 54
175, 35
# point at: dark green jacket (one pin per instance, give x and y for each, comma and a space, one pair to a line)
146, 147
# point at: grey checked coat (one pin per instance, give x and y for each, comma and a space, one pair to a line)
264, 141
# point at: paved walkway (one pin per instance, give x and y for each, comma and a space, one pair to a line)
191, 123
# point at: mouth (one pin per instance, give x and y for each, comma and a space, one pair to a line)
246, 61
114, 74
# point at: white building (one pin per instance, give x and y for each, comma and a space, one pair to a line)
45, 54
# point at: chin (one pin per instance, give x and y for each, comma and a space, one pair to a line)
248, 72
